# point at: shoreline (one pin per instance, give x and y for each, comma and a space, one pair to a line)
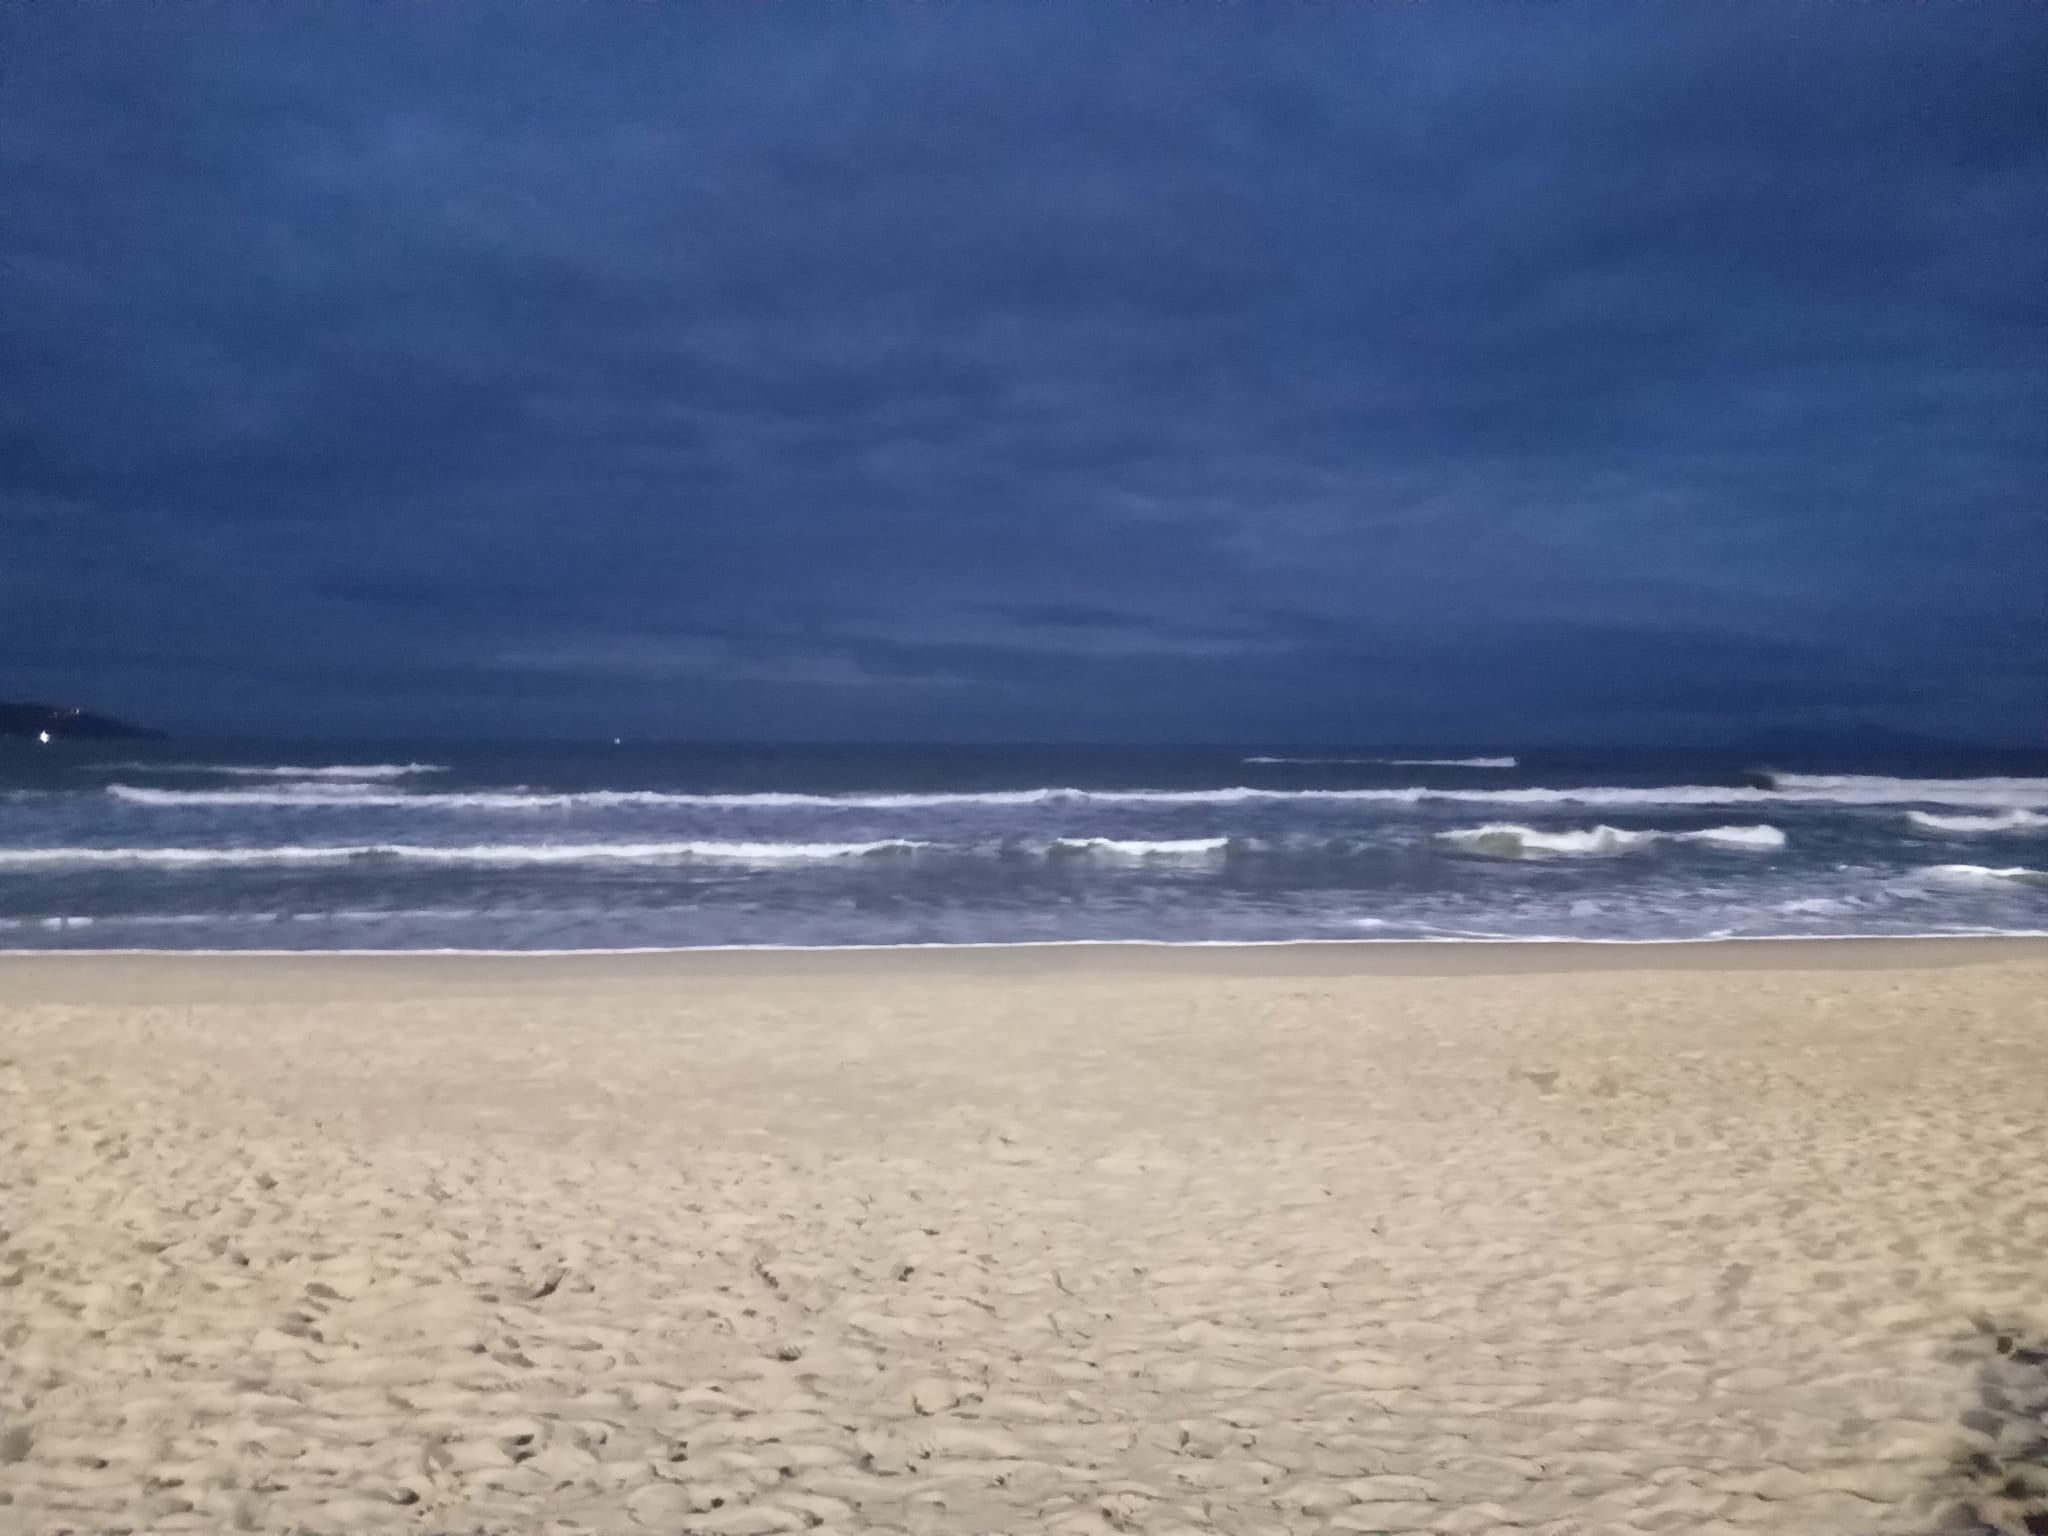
1308, 959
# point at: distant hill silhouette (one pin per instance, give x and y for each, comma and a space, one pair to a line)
20, 719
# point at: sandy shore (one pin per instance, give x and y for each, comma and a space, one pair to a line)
1347, 1238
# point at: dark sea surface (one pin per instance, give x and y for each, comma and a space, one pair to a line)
242, 846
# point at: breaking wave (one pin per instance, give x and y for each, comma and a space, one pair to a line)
1994, 793
264, 919
352, 772
475, 853
1121, 848
1448, 762
1980, 874
531, 800
1877, 789
2004, 821
707, 850
1818, 906
1506, 840
1399, 762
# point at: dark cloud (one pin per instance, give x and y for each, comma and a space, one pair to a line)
1557, 374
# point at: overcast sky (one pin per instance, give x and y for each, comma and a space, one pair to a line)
1480, 374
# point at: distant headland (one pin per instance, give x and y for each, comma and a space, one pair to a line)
56, 723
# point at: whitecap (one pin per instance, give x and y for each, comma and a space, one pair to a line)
475, 854
1980, 874
1880, 789
2002, 821
1396, 762
1971, 792
1125, 848
1817, 906
1447, 762
1761, 837
1508, 840
355, 772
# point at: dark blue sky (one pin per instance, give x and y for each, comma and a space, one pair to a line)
1259, 372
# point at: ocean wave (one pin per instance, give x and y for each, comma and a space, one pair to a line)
335, 792
343, 795
324, 795
1818, 906
1448, 762
1507, 840
1397, 762
2003, 821
353, 772
1842, 790
1268, 762
1870, 788
1123, 848
702, 850
275, 919
708, 850
1980, 874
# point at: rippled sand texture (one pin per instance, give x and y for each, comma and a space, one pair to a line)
526, 1245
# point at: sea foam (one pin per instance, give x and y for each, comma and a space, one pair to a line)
1981, 874
1397, 762
1507, 840
705, 850
2003, 821
710, 850
1791, 790
355, 772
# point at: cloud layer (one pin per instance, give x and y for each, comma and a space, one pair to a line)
1235, 373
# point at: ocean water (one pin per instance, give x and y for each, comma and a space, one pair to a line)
252, 847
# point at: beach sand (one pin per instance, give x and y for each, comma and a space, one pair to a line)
1346, 1238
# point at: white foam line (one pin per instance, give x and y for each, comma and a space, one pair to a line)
2001, 821
1128, 848
352, 771
1866, 781
1982, 874
515, 854
1510, 840
1987, 793
482, 854
1003, 944
1448, 762
1391, 762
